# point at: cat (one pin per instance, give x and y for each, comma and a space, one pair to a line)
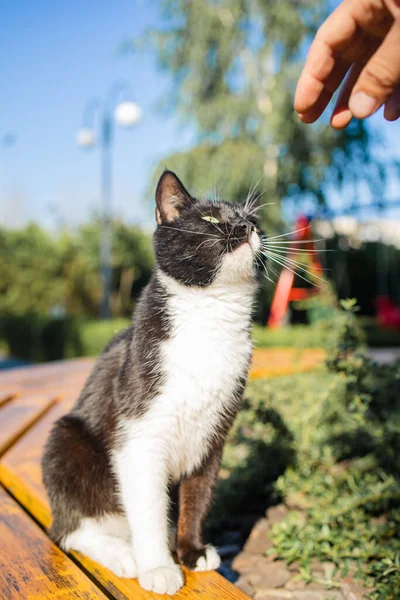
160, 401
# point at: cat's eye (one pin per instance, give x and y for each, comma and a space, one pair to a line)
210, 219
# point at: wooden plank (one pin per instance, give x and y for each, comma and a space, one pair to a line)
31, 566
6, 396
20, 414
207, 586
61, 381
40, 376
272, 362
20, 474
20, 470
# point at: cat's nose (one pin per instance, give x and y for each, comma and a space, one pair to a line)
244, 228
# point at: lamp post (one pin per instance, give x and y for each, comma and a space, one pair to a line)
7, 140
125, 113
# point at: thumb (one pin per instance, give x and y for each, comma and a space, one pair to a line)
379, 78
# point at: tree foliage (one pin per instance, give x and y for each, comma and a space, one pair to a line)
40, 272
31, 278
234, 65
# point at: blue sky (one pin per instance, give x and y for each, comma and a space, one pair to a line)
54, 56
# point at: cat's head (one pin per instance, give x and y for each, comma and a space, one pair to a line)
198, 242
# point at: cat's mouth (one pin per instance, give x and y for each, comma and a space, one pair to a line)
253, 241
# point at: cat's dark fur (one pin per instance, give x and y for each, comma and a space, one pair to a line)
84, 480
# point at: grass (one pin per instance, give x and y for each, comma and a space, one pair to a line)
95, 334
293, 336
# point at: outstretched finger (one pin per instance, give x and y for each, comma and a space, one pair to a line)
379, 78
330, 86
337, 31
392, 106
341, 115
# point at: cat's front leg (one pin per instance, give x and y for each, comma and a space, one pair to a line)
143, 484
195, 497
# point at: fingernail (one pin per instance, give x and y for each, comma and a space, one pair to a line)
392, 106
362, 105
392, 115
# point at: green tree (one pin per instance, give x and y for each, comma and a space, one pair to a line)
31, 279
39, 271
234, 65
132, 262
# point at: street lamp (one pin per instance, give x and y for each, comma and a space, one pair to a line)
125, 113
7, 141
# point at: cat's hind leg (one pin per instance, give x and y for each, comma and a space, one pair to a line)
83, 495
195, 494
106, 540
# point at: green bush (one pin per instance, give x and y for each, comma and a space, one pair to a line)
36, 338
328, 442
95, 335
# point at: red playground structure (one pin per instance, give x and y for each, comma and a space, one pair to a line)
285, 291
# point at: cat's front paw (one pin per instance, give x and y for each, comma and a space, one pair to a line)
123, 565
163, 580
204, 559
116, 555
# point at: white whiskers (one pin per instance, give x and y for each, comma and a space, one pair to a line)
282, 252
191, 232
288, 262
251, 212
249, 202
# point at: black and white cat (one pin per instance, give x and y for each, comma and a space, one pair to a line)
159, 403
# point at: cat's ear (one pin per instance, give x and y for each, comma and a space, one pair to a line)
171, 197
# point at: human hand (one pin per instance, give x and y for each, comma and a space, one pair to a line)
361, 38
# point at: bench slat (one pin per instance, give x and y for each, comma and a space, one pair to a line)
41, 375
20, 470
6, 396
31, 566
18, 415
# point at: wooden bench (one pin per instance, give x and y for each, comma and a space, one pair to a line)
31, 566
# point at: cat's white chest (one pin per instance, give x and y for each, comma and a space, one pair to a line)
205, 357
